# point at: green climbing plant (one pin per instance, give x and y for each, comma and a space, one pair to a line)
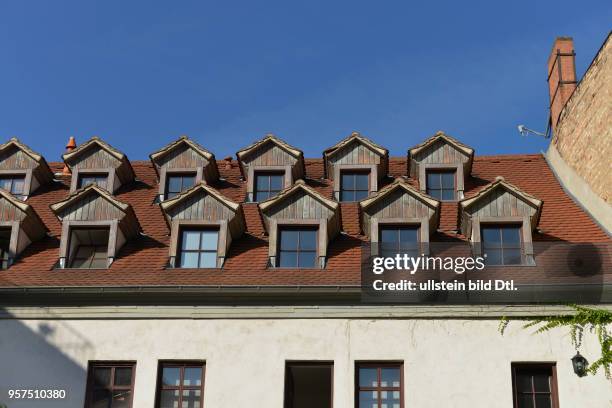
584, 319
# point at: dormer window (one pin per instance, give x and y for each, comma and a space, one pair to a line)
501, 244
269, 166
297, 247
355, 165
14, 184
22, 170
398, 239
100, 179
441, 184
181, 165
88, 248
199, 248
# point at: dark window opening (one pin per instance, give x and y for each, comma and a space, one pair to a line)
501, 244
308, 385
89, 248
14, 185
198, 248
181, 385
399, 240
297, 247
354, 185
101, 180
110, 385
177, 183
441, 185
379, 385
5, 240
267, 185
534, 386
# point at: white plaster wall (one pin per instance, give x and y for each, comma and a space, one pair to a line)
447, 363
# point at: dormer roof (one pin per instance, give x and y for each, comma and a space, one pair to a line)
355, 137
299, 185
44, 173
243, 154
398, 184
70, 158
441, 136
34, 227
181, 141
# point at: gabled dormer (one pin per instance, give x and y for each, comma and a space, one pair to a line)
97, 162
300, 223
19, 226
269, 166
22, 170
440, 164
203, 224
355, 165
499, 221
181, 165
400, 217
95, 225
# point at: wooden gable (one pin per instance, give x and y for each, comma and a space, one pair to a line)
185, 154
355, 150
440, 149
17, 158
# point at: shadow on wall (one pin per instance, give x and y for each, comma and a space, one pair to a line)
34, 356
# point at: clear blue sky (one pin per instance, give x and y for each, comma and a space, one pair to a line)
139, 74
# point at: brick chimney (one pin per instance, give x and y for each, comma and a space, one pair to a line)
561, 76
70, 146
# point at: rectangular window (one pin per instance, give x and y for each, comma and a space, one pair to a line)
199, 248
89, 248
5, 239
297, 247
100, 179
441, 184
501, 244
534, 386
268, 184
180, 384
379, 385
13, 184
354, 185
177, 183
398, 240
308, 385
110, 385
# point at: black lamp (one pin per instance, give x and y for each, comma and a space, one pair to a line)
580, 364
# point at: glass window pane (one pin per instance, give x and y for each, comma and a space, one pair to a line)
209, 240
360, 195
262, 182
100, 398
361, 182
5, 183
288, 259
308, 239
523, 383
123, 376
493, 257
276, 182
541, 382
193, 376
121, 398
433, 180
348, 182
447, 194
188, 181
448, 180
17, 187
347, 195
408, 235
543, 401
208, 260
390, 377
389, 235
189, 259
101, 376
289, 239
511, 236
368, 399
307, 259
191, 240
525, 401
368, 377
437, 194
174, 183
512, 256
490, 235
191, 399
169, 399
171, 376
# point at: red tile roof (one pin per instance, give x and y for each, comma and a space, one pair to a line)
142, 261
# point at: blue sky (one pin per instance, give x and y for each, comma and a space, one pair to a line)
139, 74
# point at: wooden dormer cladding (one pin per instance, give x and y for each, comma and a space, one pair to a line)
441, 152
93, 207
96, 157
355, 153
18, 160
270, 154
21, 223
203, 207
184, 156
500, 203
399, 203
301, 206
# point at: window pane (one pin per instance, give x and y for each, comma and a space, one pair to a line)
191, 399
193, 376
408, 235
347, 195
171, 376
188, 181
390, 377
525, 401
208, 260
100, 399
360, 195
169, 399
512, 256
368, 377
368, 399
448, 180
174, 183
123, 376
348, 182
543, 401
289, 239
541, 382
361, 182
389, 235
511, 235
447, 195
491, 236
433, 180
288, 259
101, 376
191, 240
437, 194
276, 182
523, 383
209, 240
307, 259
308, 240
189, 259
493, 257
17, 187
121, 399
5, 184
